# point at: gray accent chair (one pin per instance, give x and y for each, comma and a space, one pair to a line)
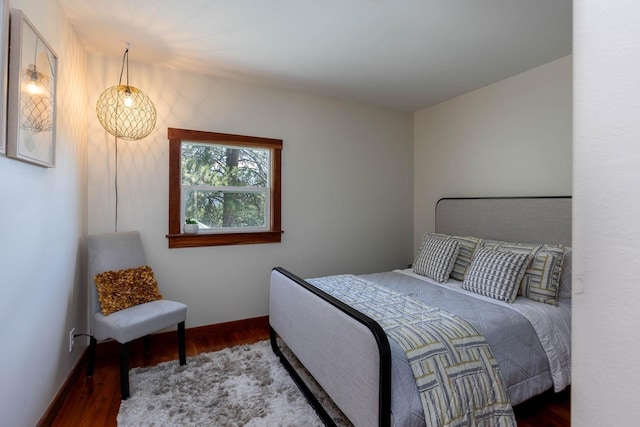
118, 251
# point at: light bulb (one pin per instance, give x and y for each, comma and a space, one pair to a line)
34, 88
128, 101
33, 83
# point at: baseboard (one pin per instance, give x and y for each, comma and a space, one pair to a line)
224, 328
56, 404
111, 348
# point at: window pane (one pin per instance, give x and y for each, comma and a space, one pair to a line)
217, 165
221, 209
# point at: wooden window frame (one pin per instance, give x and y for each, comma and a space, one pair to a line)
178, 239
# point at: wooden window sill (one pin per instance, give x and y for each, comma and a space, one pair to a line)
210, 239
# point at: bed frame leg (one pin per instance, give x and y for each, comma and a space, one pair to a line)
308, 394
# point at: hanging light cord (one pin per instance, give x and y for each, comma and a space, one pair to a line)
125, 58
116, 179
35, 59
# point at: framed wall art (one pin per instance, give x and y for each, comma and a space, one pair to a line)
31, 117
4, 53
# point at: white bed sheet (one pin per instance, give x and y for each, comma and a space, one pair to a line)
552, 325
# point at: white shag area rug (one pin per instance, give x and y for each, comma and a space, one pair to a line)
239, 386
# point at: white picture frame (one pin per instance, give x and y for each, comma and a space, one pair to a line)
4, 55
31, 111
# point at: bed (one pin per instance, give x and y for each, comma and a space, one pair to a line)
366, 367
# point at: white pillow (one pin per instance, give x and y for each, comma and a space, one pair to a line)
565, 277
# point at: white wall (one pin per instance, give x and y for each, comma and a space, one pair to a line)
511, 138
606, 214
347, 186
43, 217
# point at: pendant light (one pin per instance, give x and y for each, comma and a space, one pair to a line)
125, 111
36, 113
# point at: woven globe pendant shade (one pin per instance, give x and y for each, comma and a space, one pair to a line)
36, 112
125, 112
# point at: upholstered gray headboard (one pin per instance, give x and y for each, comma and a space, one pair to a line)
512, 219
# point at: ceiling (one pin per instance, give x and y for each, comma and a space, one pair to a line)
402, 54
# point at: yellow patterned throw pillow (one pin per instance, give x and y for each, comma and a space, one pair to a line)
122, 289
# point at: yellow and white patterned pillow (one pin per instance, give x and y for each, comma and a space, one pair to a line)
541, 281
467, 247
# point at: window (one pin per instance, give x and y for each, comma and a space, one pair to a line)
230, 184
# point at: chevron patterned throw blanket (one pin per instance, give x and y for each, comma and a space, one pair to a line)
457, 376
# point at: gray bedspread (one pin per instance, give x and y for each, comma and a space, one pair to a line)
512, 339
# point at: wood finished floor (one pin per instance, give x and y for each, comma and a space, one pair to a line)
94, 402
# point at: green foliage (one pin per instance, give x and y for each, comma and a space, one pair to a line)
191, 221
211, 168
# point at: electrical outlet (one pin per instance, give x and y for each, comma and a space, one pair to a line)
71, 337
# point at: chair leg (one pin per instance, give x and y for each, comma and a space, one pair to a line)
147, 344
124, 370
92, 356
181, 339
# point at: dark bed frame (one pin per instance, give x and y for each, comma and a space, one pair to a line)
530, 219
376, 330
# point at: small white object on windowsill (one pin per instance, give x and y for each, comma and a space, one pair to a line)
191, 228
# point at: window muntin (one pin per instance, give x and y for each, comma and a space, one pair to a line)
246, 184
